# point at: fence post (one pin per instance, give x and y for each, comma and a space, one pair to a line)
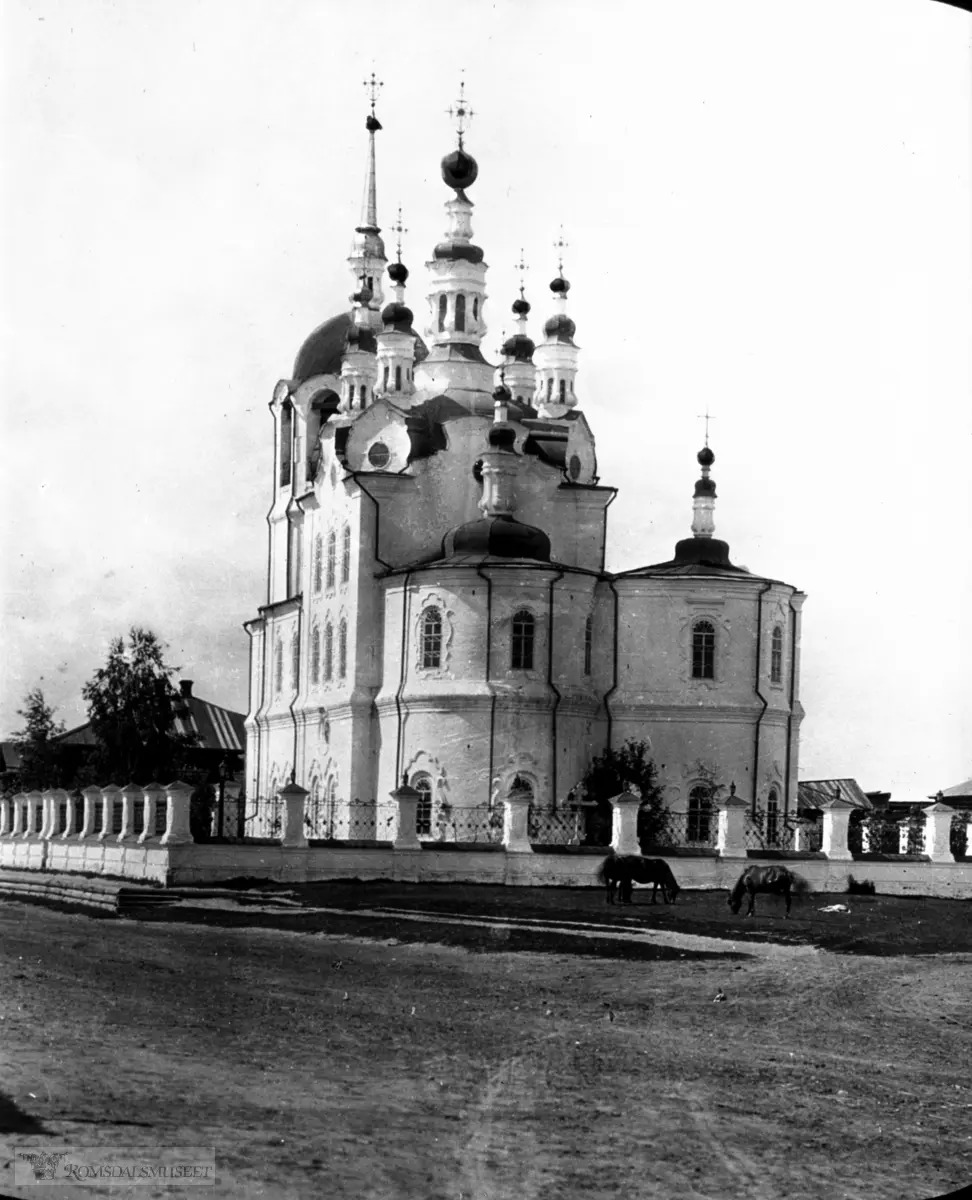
152, 793
19, 803
836, 820
109, 795
731, 835
293, 797
177, 831
48, 819
129, 798
31, 822
938, 828
4, 816
90, 796
516, 830
70, 811
624, 823
406, 798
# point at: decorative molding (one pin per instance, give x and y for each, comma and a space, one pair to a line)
447, 615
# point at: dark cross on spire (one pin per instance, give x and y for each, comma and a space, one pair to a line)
522, 267
707, 417
560, 246
399, 229
461, 111
374, 86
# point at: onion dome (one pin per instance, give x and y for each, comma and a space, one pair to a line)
398, 273
372, 124
560, 286
702, 551
459, 170
705, 457
500, 537
323, 350
399, 315
560, 327
455, 251
363, 295
521, 307
519, 347
502, 394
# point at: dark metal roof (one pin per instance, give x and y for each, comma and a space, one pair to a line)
815, 793
215, 727
323, 350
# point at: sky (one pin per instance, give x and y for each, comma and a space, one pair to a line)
766, 207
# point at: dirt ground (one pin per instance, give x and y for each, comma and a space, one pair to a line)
340, 1055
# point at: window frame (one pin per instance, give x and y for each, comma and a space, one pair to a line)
432, 640
328, 652
422, 783
330, 573
522, 640
346, 554
703, 651
776, 655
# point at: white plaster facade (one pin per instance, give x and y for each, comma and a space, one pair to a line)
424, 488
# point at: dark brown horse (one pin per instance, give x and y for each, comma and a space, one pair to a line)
624, 870
766, 879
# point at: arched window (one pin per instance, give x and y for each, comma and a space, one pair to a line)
773, 818
524, 628
293, 558
443, 302
331, 554
588, 643
563, 391
328, 652
431, 638
318, 562
286, 441
475, 308
294, 662
278, 667
703, 650
460, 313
776, 656
699, 815
423, 807
315, 656
387, 372
364, 396
343, 648
346, 554
550, 388
398, 379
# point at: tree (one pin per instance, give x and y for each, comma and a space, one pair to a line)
42, 761
131, 709
629, 769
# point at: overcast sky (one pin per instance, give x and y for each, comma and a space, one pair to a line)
767, 209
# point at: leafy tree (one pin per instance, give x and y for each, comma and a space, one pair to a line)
629, 769
42, 758
131, 703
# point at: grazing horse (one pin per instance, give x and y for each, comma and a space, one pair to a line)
623, 870
766, 879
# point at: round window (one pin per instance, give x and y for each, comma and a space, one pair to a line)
574, 467
378, 455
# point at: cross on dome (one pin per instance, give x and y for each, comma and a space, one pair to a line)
461, 111
522, 267
560, 246
707, 417
399, 229
374, 86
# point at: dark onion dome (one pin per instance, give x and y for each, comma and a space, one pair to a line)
322, 352
455, 251
459, 170
706, 457
560, 327
704, 551
364, 295
501, 537
520, 347
502, 437
398, 315
705, 487
521, 307
372, 124
560, 286
398, 273
502, 394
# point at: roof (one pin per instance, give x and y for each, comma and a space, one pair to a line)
815, 793
217, 728
960, 789
323, 350
9, 756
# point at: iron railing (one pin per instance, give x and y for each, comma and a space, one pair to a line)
556, 827
477, 823
763, 831
884, 833
682, 830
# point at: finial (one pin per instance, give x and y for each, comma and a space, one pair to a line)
560, 246
522, 267
732, 789
399, 229
707, 417
461, 111
374, 86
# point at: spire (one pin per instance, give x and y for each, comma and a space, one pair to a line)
703, 503
396, 339
367, 259
517, 369
500, 462
556, 357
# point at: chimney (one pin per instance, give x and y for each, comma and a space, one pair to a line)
185, 688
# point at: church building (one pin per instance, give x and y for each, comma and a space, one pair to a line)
437, 604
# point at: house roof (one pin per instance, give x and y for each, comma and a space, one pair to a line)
9, 756
217, 728
960, 789
815, 793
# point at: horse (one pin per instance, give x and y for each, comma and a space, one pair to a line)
766, 879
627, 869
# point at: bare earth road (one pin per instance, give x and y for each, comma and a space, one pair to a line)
326, 1064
